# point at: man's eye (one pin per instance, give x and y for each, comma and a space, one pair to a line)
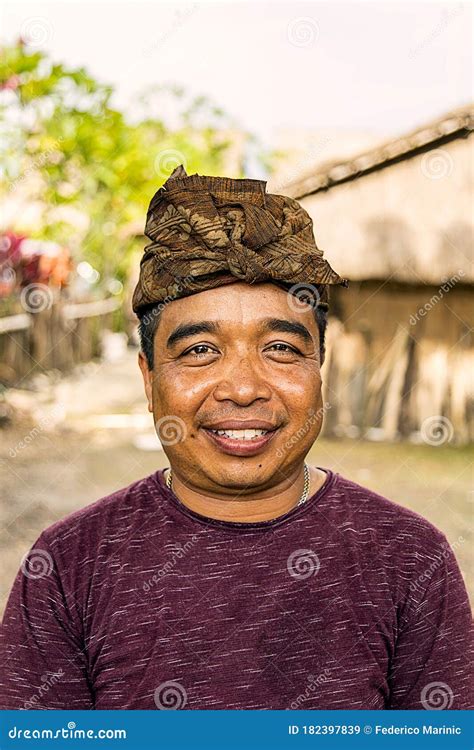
285, 348
199, 350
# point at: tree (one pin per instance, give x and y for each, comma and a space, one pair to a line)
93, 171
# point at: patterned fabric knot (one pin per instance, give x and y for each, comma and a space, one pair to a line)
209, 231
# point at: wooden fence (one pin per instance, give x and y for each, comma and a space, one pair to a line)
58, 337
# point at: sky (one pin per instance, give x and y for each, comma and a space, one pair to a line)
368, 67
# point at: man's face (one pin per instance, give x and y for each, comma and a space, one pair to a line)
239, 357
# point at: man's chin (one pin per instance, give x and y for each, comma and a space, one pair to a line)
243, 481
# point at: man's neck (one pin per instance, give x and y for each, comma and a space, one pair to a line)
245, 509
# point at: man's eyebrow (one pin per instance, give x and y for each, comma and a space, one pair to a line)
281, 325
278, 325
185, 330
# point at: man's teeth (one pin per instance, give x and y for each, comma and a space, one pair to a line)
240, 434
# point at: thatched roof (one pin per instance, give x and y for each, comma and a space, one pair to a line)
455, 124
399, 211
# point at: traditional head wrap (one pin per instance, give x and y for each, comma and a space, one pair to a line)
209, 231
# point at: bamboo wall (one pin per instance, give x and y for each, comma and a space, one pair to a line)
393, 373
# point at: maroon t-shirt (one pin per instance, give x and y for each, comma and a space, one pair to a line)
136, 602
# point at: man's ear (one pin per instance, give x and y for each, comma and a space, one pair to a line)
147, 379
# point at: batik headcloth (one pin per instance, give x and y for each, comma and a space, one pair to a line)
209, 231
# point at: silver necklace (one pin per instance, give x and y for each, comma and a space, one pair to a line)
303, 498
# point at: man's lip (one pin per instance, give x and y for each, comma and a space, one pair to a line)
235, 424
238, 447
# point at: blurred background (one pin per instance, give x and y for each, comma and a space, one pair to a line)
362, 111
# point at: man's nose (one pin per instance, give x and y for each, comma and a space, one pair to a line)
242, 381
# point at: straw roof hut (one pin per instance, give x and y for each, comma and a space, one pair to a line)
397, 222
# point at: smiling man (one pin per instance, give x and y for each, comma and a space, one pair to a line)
236, 374
240, 577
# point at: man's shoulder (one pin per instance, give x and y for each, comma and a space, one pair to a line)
109, 515
366, 509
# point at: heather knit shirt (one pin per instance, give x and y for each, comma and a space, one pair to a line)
348, 601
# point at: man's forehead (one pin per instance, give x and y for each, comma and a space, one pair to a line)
231, 303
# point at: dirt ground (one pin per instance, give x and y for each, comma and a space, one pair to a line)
90, 434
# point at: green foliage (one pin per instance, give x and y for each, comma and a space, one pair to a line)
94, 172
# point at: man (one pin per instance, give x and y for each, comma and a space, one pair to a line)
240, 578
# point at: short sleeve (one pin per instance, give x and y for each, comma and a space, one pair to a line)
432, 664
44, 663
